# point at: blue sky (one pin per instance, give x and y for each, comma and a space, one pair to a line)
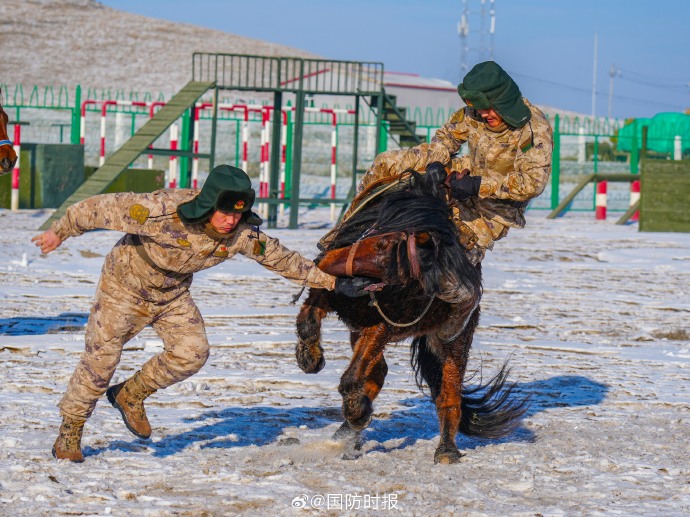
547, 45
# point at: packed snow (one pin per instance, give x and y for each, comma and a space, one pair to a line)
592, 316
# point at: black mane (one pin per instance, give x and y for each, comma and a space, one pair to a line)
417, 207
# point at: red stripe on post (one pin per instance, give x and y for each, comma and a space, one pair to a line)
634, 198
600, 203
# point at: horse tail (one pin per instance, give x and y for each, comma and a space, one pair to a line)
488, 410
426, 365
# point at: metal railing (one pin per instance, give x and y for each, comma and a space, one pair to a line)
288, 74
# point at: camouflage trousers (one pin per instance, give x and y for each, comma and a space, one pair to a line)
116, 317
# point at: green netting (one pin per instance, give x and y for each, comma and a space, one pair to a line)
661, 135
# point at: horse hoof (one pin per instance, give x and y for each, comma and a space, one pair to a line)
358, 411
352, 440
344, 432
353, 454
349, 435
446, 457
310, 359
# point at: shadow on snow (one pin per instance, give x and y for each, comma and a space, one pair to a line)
241, 427
34, 325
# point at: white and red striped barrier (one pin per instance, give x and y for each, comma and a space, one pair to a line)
264, 165
634, 198
246, 109
195, 146
152, 112
334, 149
174, 160
600, 202
104, 111
264, 168
334, 152
82, 121
14, 201
283, 158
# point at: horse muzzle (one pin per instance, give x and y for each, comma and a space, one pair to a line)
6, 165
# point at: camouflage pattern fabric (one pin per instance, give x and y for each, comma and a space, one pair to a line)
514, 164
134, 292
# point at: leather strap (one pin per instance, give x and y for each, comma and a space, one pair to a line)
351, 258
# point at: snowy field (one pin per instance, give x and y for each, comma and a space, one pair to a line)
593, 317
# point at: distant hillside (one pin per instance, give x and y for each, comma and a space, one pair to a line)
70, 42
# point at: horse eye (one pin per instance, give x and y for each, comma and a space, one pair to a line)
422, 238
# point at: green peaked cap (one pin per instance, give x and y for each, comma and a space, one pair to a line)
488, 86
227, 189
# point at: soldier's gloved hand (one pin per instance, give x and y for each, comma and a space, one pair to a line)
352, 286
437, 168
465, 187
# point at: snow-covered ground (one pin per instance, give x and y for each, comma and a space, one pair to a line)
593, 317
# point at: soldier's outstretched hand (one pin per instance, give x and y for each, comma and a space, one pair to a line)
352, 286
47, 241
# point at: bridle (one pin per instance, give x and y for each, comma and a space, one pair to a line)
406, 236
4, 116
375, 303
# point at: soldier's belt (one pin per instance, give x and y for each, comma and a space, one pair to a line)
136, 240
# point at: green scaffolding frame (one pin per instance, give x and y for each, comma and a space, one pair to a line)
298, 76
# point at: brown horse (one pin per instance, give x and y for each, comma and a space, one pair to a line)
408, 244
7, 155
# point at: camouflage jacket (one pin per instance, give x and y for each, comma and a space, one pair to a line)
515, 165
170, 251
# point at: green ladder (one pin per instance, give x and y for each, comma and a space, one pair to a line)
135, 146
398, 123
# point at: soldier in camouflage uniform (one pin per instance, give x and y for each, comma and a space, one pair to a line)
170, 234
509, 161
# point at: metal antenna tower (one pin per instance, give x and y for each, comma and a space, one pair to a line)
476, 44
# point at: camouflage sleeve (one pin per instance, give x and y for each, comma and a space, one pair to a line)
289, 264
453, 133
532, 165
392, 163
126, 212
446, 142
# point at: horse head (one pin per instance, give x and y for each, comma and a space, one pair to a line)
395, 258
405, 238
8, 157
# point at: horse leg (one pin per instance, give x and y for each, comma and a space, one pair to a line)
309, 352
449, 388
363, 379
449, 413
372, 386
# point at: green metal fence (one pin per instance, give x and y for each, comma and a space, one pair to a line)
582, 145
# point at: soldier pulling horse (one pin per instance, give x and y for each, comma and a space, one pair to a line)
8, 157
427, 289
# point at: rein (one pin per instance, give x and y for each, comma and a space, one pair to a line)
412, 251
375, 303
5, 142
